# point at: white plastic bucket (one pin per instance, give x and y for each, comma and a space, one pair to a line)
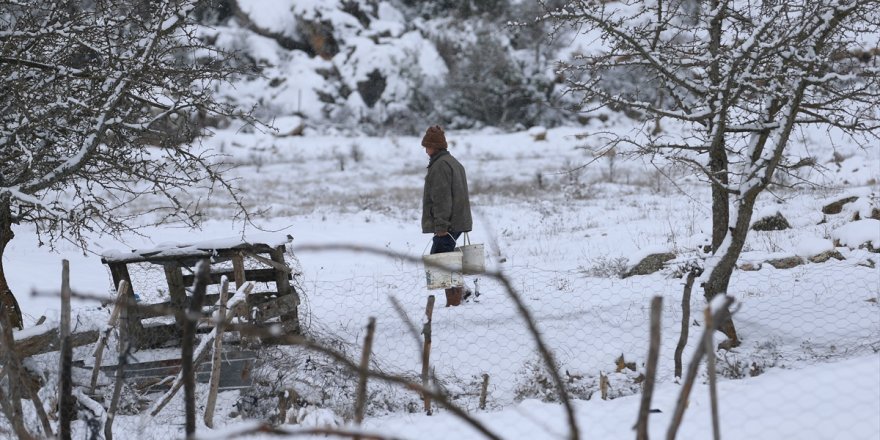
443, 271
473, 259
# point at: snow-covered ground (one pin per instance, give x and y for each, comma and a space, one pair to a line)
808, 366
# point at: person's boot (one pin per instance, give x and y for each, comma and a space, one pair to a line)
453, 296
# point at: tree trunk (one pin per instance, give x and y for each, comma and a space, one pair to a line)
8, 303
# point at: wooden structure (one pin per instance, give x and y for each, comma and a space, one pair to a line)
178, 262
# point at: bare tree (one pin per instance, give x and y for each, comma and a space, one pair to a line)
738, 78
102, 101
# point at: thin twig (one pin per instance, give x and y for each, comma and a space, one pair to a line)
360, 403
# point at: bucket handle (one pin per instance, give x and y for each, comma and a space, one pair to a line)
431, 240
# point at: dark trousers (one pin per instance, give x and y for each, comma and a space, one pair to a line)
445, 243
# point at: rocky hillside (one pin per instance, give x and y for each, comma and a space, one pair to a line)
390, 66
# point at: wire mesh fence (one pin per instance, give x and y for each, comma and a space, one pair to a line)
598, 330
808, 333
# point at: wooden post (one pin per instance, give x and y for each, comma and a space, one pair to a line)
685, 320
426, 351
102, 338
238, 270
650, 369
710, 370
484, 390
238, 274
722, 314
122, 346
119, 272
66, 401
215, 361
177, 291
360, 403
290, 322
203, 273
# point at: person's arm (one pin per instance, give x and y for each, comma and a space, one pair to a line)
441, 198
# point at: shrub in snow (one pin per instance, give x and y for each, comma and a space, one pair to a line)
606, 267
534, 382
747, 363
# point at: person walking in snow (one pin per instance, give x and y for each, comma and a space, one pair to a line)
446, 208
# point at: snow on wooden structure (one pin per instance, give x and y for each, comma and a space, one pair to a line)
178, 262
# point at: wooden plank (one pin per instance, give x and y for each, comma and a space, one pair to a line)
48, 341
176, 289
256, 275
119, 272
290, 320
235, 374
277, 264
238, 272
165, 308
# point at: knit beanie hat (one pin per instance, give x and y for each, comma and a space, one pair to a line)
434, 138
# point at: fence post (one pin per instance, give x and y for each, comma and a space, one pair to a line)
426, 351
360, 403
65, 389
215, 364
188, 367
650, 369
710, 370
484, 390
127, 299
722, 313
685, 320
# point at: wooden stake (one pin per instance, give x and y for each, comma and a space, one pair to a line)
721, 315
710, 370
66, 401
215, 361
426, 351
685, 320
238, 270
650, 369
122, 345
484, 390
360, 403
102, 338
203, 273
